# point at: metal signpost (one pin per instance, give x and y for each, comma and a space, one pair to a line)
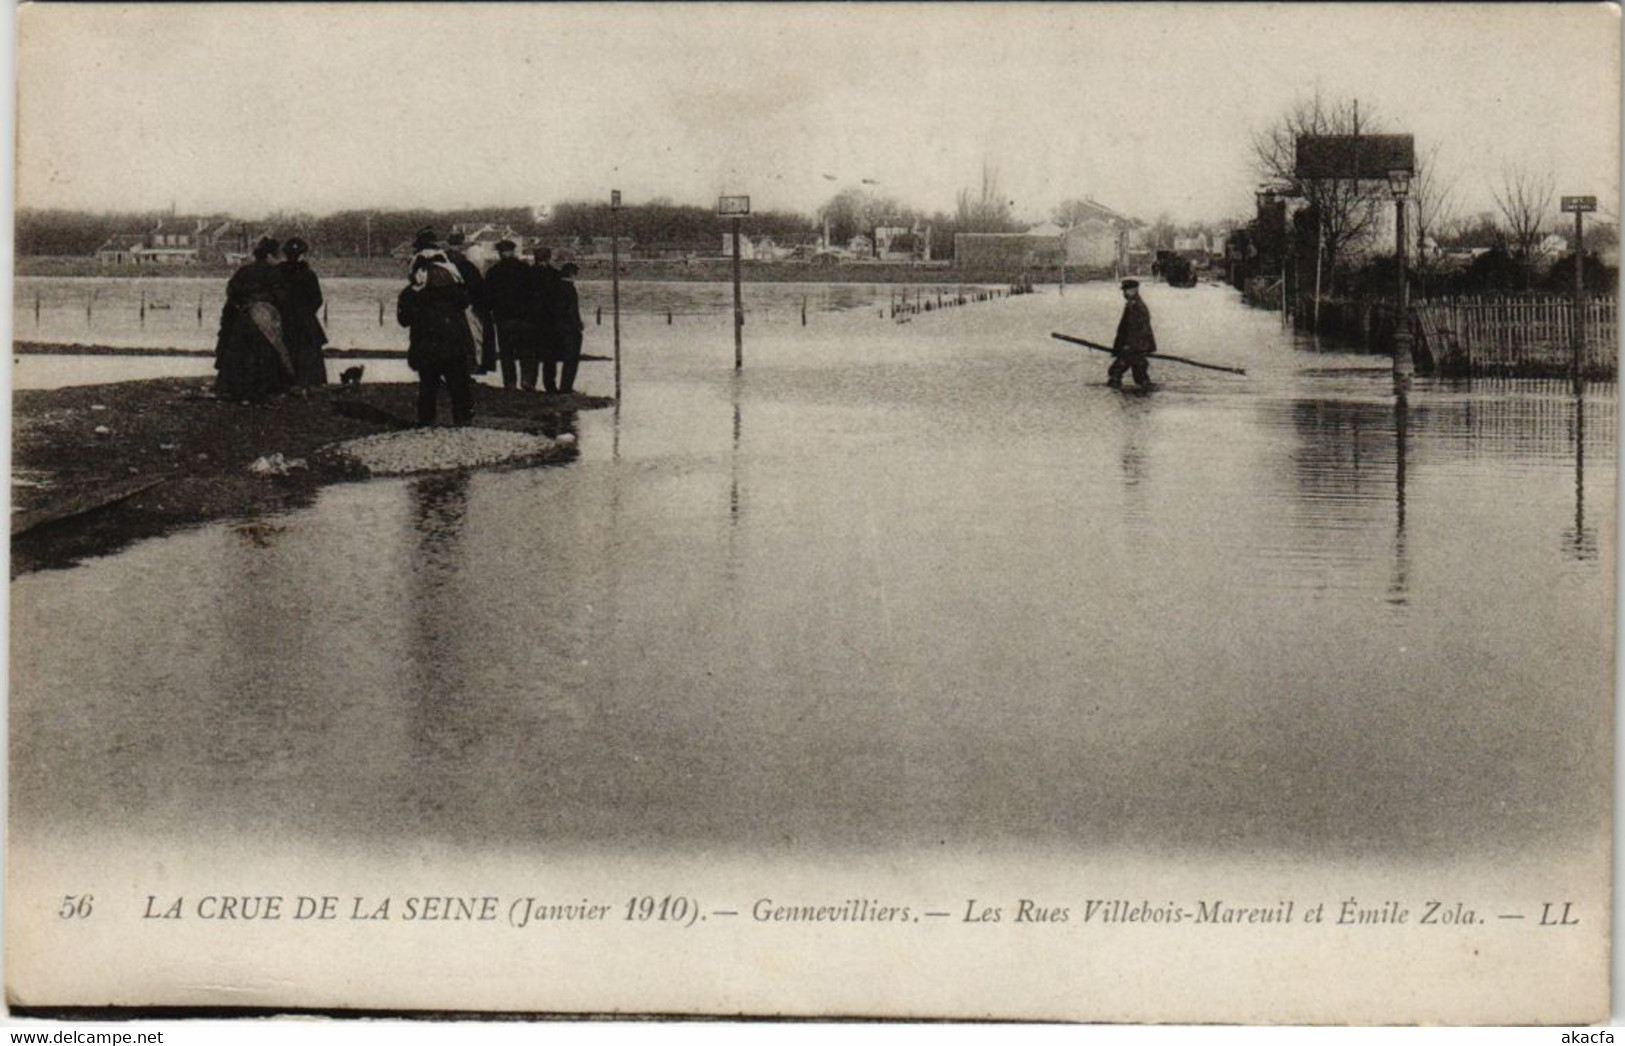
615, 280
1579, 205
736, 207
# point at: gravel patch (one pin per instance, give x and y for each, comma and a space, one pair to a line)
438, 449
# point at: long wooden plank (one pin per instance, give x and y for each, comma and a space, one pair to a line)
1150, 355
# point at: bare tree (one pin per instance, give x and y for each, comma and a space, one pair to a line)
1434, 190
1344, 210
1525, 200
1160, 236
855, 211
987, 212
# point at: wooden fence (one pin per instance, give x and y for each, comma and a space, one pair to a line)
1518, 337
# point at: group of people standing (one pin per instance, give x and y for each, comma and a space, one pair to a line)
523, 318
271, 334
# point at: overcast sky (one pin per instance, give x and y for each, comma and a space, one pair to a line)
1148, 108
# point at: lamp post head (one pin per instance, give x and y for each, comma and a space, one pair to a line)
1399, 182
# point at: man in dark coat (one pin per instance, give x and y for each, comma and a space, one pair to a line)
1134, 341
554, 324
301, 315
569, 326
433, 306
479, 316
513, 293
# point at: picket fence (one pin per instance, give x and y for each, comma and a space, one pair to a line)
1518, 337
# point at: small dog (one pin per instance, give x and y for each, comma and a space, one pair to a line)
352, 375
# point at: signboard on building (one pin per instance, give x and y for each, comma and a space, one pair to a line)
1579, 204
733, 206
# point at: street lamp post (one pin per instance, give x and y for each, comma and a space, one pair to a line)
1399, 181
1265, 197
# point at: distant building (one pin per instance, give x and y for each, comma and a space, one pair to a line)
174, 241
480, 240
1552, 246
762, 248
902, 243
120, 248
603, 248
666, 251
1100, 238
1007, 250
1191, 246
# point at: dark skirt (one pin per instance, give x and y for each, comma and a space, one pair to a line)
249, 355
303, 333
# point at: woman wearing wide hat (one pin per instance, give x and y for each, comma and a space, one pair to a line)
301, 319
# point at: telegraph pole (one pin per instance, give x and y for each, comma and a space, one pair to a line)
615, 280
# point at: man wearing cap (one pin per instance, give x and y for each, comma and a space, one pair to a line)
1134, 341
301, 320
513, 294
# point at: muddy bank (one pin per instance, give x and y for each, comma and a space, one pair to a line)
97, 467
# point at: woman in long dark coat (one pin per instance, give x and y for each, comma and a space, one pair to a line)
250, 355
301, 318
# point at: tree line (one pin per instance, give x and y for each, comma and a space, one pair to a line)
850, 212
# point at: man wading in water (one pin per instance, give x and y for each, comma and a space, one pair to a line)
1134, 341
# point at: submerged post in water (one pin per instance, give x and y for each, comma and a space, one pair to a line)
736, 207
615, 280
739, 309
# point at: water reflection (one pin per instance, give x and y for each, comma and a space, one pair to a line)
1135, 459
441, 727
733, 454
1581, 542
1398, 588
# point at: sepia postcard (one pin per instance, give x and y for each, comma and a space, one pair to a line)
1018, 511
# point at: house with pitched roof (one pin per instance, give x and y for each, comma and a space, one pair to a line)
175, 241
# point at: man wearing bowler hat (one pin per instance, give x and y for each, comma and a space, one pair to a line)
1134, 341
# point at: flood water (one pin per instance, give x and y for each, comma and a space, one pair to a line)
894, 587
181, 312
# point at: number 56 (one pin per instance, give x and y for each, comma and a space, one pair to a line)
76, 906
